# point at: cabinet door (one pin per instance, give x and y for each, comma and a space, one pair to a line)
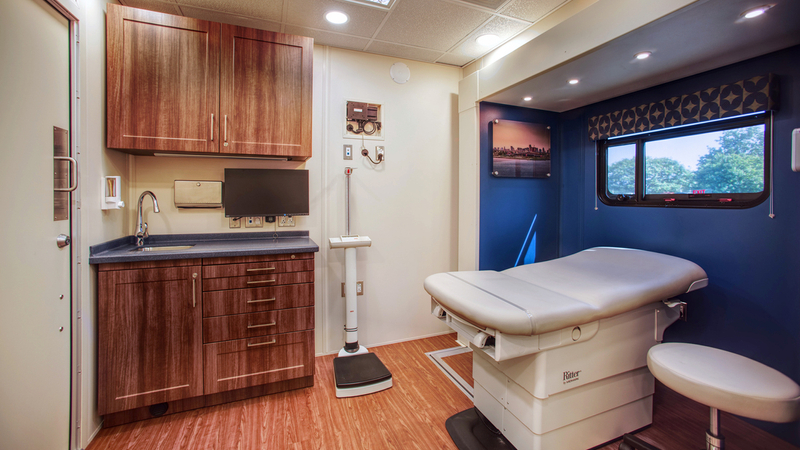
162, 81
150, 337
265, 88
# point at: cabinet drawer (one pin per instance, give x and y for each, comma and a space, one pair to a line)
260, 268
250, 362
240, 326
217, 284
239, 301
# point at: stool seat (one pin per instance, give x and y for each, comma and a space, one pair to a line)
726, 381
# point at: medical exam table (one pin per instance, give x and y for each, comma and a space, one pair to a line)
560, 347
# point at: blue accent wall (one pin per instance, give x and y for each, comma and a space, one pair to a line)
752, 304
508, 206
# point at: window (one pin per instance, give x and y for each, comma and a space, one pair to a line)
711, 164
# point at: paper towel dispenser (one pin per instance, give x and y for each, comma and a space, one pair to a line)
198, 194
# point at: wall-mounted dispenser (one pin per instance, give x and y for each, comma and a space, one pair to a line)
111, 193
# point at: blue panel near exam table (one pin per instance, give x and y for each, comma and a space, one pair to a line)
508, 206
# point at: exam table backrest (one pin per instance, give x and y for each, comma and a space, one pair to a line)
590, 285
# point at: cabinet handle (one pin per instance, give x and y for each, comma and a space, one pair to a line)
258, 270
226, 128
260, 282
194, 290
262, 300
262, 325
212, 127
261, 343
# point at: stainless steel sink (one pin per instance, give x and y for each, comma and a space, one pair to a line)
162, 248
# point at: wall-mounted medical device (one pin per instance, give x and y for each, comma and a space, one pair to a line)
112, 197
364, 120
796, 150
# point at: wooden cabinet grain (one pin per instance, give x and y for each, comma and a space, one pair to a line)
181, 85
150, 337
265, 102
162, 81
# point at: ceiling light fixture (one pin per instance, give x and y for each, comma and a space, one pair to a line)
755, 12
527, 99
573, 81
487, 40
336, 17
643, 55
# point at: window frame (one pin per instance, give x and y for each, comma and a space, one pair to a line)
700, 200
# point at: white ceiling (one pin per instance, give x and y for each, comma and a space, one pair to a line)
436, 31
703, 36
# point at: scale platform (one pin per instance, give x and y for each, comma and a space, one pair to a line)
360, 375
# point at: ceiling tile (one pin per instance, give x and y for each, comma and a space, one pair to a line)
500, 26
215, 16
532, 10
166, 6
455, 59
331, 39
433, 24
401, 51
490, 4
364, 20
260, 9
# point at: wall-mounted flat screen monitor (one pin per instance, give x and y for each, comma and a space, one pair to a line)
265, 192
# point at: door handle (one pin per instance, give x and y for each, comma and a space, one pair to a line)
63, 240
73, 170
212, 127
194, 290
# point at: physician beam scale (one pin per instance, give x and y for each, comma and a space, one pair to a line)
356, 371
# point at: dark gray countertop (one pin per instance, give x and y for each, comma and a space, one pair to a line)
205, 246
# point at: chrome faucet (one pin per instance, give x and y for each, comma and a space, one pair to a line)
141, 230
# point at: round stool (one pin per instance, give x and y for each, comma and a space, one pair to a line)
725, 381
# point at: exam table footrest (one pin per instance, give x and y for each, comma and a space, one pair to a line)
631, 442
471, 431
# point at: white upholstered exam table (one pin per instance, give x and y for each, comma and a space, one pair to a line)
560, 347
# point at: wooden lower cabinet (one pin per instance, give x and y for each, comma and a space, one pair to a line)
167, 336
244, 363
150, 341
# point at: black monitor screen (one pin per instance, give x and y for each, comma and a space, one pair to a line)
265, 192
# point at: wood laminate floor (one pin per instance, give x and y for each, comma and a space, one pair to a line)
410, 415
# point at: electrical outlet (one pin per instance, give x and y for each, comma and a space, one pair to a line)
285, 221
348, 151
381, 152
254, 222
359, 288
235, 222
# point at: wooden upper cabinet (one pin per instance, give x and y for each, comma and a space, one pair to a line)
162, 81
176, 84
265, 86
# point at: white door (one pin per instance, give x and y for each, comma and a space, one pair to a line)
34, 273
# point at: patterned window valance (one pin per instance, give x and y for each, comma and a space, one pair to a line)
756, 94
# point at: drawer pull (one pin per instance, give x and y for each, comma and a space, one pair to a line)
261, 343
261, 282
262, 300
194, 290
258, 270
262, 325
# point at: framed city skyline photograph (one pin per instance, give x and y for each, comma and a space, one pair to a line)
520, 149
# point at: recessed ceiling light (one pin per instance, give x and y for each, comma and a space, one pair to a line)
755, 12
336, 17
527, 99
487, 40
643, 55
573, 81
